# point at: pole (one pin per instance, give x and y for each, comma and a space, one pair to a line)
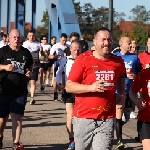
110, 17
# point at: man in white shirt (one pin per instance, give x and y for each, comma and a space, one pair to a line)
3, 42
34, 47
65, 66
57, 51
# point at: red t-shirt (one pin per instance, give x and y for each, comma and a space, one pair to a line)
142, 80
86, 70
144, 59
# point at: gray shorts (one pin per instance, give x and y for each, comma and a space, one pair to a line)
98, 134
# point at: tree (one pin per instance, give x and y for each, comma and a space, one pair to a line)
140, 14
131, 35
78, 11
141, 33
45, 19
43, 29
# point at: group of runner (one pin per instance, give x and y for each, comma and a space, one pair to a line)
100, 87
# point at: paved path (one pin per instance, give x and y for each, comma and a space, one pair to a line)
44, 126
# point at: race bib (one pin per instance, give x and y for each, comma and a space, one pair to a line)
128, 67
107, 76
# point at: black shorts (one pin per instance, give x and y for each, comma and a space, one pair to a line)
44, 66
35, 72
50, 64
128, 102
12, 104
69, 97
143, 129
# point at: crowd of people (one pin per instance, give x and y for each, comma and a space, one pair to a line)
100, 87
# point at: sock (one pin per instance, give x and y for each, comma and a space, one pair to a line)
119, 129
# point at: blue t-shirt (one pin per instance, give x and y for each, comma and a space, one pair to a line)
132, 65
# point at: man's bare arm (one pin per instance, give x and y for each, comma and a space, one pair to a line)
2, 67
77, 88
8, 67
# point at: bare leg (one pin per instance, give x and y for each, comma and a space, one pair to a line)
16, 127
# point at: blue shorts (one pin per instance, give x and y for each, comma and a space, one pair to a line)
11, 104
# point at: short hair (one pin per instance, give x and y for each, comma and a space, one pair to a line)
53, 37
42, 36
4, 35
101, 29
76, 34
31, 31
63, 35
76, 41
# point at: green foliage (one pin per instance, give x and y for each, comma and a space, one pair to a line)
140, 14
43, 29
141, 33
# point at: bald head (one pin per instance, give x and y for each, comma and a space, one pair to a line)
124, 43
75, 49
14, 31
123, 39
14, 39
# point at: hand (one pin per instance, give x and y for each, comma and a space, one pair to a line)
120, 100
41, 48
141, 104
97, 86
9, 67
28, 73
131, 76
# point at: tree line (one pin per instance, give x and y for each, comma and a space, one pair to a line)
90, 19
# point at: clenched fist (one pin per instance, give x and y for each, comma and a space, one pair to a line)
98, 86
9, 67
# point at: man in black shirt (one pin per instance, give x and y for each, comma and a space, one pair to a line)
15, 65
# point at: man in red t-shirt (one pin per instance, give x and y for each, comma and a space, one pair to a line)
94, 77
142, 80
145, 56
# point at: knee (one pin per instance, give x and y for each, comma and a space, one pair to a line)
16, 117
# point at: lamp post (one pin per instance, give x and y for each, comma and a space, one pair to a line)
110, 17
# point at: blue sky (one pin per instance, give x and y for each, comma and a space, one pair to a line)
119, 5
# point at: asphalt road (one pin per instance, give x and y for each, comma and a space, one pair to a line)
44, 126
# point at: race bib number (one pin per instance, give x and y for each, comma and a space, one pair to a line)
107, 76
18, 67
128, 67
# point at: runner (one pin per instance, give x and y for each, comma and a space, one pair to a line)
34, 47
57, 51
15, 65
65, 66
94, 77
142, 80
132, 65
